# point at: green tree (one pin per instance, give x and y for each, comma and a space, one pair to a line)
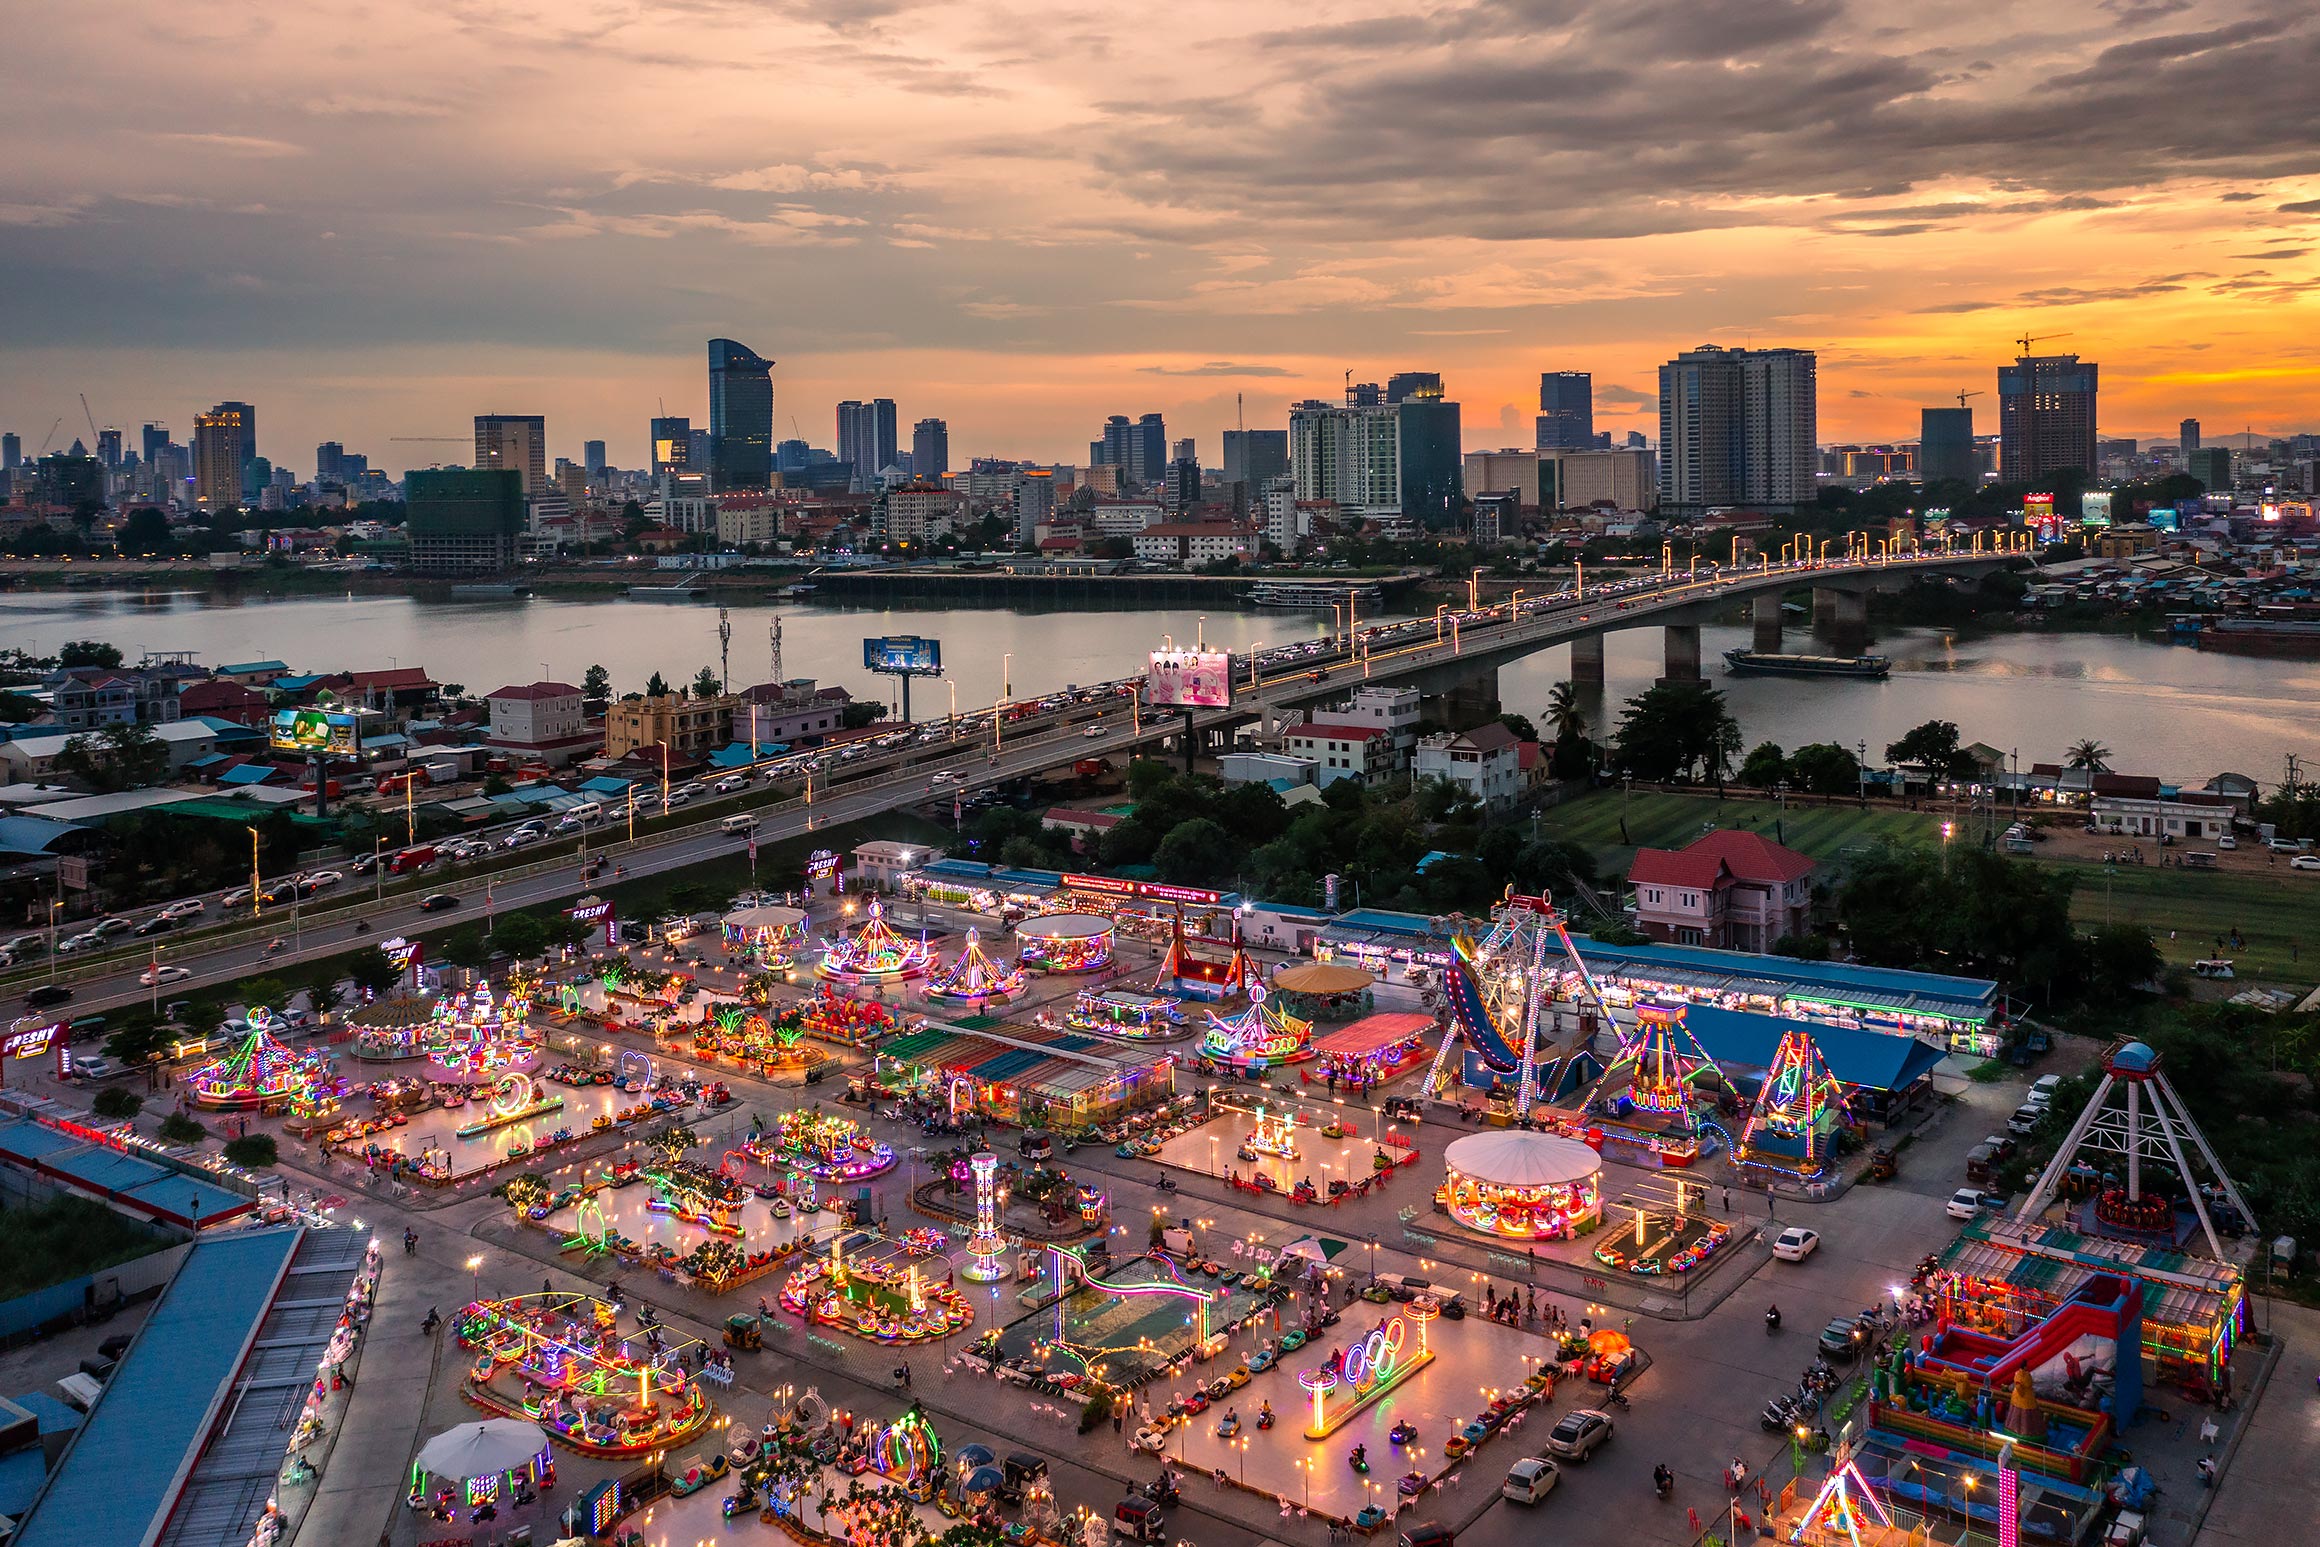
89, 652
1932, 748
16, 709
117, 1101
145, 532
1198, 853
1824, 768
2122, 958
177, 1128
1675, 729
321, 982
371, 971
255, 1152
1765, 766
706, 685
2090, 755
271, 993
597, 683
859, 713
1566, 721
466, 947
1961, 910
1523, 729
521, 935
656, 686
115, 757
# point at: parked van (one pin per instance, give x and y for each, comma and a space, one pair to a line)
2196, 859
582, 815
744, 823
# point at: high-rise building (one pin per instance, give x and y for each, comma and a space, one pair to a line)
1431, 451
330, 463
225, 443
1636, 441
1255, 457
1116, 446
12, 451
2188, 433
1738, 427
866, 439
2211, 465
592, 457
1945, 446
70, 480
109, 446
1148, 450
463, 519
1404, 384
151, 439
740, 417
930, 449
2046, 415
1566, 410
1349, 453
1034, 502
515, 441
700, 450
672, 445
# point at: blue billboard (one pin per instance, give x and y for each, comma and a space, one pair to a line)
903, 655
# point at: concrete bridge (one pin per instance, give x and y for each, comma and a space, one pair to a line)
1456, 666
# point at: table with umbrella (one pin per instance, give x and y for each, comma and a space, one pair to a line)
487, 1460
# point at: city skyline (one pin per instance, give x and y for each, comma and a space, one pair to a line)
340, 255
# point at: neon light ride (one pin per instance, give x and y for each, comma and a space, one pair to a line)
1664, 1240
1117, 1012
874, 953
1263, 1036
1366, 1369
1792, 1126
1646, 1097
1275, 1135
986, 1243
476, 1037
1522, 1186
1066, 942
515, 1098
976, 979
558, 1360
769, 934
827, 1146
260, 1073
888, 1292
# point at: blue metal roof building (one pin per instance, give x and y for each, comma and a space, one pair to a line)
1870, 1060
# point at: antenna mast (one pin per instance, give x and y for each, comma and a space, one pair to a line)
724, 651
775, 631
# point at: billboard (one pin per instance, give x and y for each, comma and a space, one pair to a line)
333, 731
1189, 679
2094, 509
903, 655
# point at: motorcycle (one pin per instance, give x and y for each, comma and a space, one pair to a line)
1771, 1321
427, 1327
1616, 1398
1163, 1491
1663, 1481
362, 926
1166, 1184
1779, 1414
1359, 1460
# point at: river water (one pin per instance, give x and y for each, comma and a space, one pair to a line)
2162, 709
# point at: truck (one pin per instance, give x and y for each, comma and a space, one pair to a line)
417, 857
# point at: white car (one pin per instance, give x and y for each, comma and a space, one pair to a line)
1796, 1243
81, 942
1096, 733
1969, 1203
153, 976
184, 910
2305, 862
1530, 1480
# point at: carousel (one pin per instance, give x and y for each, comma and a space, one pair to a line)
874, 953
260, 1074
770, 934
1522, 1186
477, 1037
559, 1360
1263, 1036
976, 979
825, 1146
1066, 942
887, 1291
386, 1030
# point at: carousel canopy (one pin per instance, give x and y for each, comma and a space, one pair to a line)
1323, 978
769, 917
393, 1014
483, 1449
1515, 1159
1064, 926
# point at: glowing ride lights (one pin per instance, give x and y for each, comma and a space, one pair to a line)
260, 1072
881, 1294
770, 933
1646, 1096
1065, 942
1836, 1508
976, 978
1522, 1186
874, 953
986, 1244
1664, 1240
1368, 1368
1123, 1013
515, 1098
475, 1036
1792, 1125
828, 1146
1275, 1135
558, 1360
1263, 1036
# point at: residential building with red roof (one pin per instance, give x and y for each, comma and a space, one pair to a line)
1343, 751
1732, 890
543, 720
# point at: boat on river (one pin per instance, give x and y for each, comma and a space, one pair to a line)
1773, 664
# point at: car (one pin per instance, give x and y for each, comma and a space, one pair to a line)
1842, 1338
1426, 1533
319, 880
97, 1068
1530, 1480
2024, 1121
2283, 846
154, 976
1796, 1243
2043, 1088
112, 926
2305, 862
159, 924
1093, 733
2226, 841
1577, 1434
438, 902
25, 945
363, 864
1969, 1202
47, 994
87, 941
239, 897
189, 908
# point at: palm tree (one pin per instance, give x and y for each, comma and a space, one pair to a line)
2090, 755
1565, 719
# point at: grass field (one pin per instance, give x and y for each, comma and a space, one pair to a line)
2277, 911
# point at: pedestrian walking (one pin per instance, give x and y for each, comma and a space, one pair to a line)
1727, 1200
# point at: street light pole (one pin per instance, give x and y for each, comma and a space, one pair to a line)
257, 903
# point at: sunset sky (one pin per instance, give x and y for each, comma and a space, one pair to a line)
377, 220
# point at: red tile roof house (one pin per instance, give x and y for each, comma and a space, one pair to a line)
1732, 890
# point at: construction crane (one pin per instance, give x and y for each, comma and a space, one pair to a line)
1964, 395
94, 432
49, 439
2027, 339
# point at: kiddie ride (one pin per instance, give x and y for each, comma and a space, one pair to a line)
558, 1360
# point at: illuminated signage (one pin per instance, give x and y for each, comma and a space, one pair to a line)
1189, 679
903, 655
316, 731
821, 865
1148, 891
22, 1041
590, 912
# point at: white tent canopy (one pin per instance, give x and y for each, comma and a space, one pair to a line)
482, 1449
1517, 1159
